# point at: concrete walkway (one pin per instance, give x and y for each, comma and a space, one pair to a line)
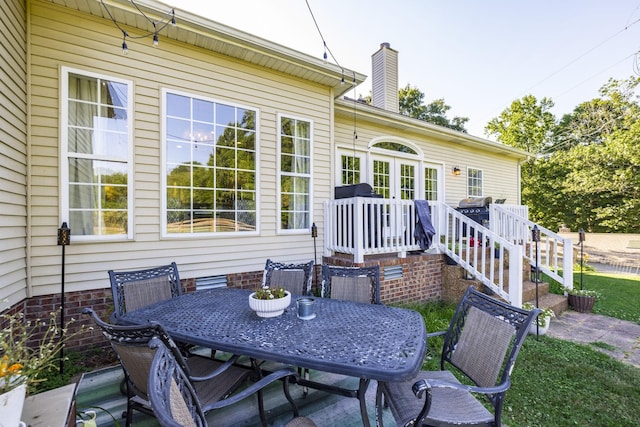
589, 328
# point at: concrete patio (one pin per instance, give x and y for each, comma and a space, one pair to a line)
99, 391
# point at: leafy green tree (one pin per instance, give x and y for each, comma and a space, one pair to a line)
584, 170
591, 121
527, 124
608, 176
411, 103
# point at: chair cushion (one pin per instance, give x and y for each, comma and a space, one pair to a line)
141, 293
179, 409
356, 289
291, 280
222, 385
449, 407
482, 346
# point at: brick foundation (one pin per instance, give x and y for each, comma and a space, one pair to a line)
421, 281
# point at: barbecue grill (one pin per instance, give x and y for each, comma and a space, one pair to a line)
475, 208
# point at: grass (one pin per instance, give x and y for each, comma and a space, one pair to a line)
618, 293
561, 383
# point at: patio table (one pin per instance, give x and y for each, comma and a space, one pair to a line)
368, 341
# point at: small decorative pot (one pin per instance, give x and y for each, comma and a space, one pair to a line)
540, 330
269, 307
581, 303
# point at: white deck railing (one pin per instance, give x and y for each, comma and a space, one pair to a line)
486, 256
366, 226
554, 253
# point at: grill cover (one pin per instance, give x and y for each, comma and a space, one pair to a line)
356, 190
475, 202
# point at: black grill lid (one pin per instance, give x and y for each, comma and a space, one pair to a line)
356, 190
475, 202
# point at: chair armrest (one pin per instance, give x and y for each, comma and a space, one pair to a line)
435, 334
220, 369
423, 385
253, 388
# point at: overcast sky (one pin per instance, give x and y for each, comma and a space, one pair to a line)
477, 55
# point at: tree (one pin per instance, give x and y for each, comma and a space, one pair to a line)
527, 124
585, 169
591, 121
411, 104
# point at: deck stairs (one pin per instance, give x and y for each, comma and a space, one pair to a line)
456, 280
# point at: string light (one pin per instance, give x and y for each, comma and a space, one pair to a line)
158, 25
125, 49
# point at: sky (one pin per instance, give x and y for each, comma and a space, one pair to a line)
477, 55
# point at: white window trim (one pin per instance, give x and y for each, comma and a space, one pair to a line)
64, 153
481, 182
279, 229
364, 163
439, 167
389, 138
163, 169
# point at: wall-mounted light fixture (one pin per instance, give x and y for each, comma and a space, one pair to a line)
456, 171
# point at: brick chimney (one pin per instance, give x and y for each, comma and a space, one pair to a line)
384, 93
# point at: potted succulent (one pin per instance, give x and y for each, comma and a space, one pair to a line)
541, 326
269, 302
27, 350
582, 300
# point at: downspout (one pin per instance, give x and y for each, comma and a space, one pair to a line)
332, 170
29, 221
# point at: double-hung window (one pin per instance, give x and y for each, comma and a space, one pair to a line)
474, 182
96, 155
210, 164
295, 173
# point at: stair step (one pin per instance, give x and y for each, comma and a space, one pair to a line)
529, 290
558, 303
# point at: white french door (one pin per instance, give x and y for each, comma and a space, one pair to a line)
396, 177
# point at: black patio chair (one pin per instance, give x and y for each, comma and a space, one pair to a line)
176, 403
359, 284
136, 289
295, 278
212, 379
482, 344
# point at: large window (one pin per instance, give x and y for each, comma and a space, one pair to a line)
474, 182
96, 166
295, 174
210, 166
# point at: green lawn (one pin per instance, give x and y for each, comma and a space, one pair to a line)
560, 383
620, 294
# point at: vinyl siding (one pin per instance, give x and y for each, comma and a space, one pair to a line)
499, 172
13, 152
93, 44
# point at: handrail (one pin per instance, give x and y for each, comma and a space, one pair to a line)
487, 257
364, 226
554, 253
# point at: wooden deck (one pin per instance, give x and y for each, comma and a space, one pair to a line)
99, 391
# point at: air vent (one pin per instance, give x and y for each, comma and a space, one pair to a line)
393, 272
211, 282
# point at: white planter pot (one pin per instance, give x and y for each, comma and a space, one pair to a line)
11, 404
542, 329
269, 307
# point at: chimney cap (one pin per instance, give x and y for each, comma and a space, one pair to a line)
385, 45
